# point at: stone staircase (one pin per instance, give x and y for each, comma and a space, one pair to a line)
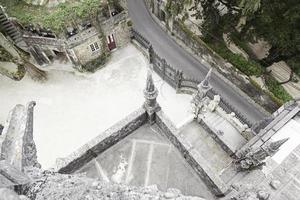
11, 30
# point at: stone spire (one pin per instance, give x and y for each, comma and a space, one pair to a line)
205, 82
274, 146
204, 86
149, 84
150, 94
198, 97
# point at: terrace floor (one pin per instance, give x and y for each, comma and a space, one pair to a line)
147, 158
202, 141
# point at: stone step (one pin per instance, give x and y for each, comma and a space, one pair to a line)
3, 18
6, 23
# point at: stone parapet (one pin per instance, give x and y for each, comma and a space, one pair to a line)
102, 142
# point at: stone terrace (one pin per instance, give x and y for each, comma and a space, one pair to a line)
146, 158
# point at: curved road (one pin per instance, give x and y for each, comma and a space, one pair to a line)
177, 57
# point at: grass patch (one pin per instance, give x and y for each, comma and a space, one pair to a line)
276, 89
248, 67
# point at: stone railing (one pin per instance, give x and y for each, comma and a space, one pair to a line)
140, 39
122, 16
178, 80
44, 41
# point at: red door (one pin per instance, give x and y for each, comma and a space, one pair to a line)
111, 42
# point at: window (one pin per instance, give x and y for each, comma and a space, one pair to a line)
94, 47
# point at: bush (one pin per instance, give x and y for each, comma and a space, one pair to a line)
248, 67
55, 18
276, 89
97, 63
294, 64
129, 23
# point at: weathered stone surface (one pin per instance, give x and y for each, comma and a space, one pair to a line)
7, 194
18, 147
10, 176
102, 142
50, 185
1, 129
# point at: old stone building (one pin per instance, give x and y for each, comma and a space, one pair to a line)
82, 44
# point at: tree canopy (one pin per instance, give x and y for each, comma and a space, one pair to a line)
276, 21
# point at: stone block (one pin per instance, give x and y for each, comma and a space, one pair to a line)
18, 147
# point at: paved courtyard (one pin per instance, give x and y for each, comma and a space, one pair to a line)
74, 108
146, 158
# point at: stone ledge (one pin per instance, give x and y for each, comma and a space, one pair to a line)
102, 142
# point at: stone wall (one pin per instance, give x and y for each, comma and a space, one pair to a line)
117, 25
102, 142
84, 52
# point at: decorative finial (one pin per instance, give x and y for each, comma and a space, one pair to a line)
205, 82
150, 94
149, 84
274, 146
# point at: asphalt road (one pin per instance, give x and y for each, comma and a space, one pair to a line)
177, 57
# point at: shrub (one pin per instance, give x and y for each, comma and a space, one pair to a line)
248, 67
129, 23
238, 61
97, 63
277, 90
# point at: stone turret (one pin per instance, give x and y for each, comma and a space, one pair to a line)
150, 94
204, 86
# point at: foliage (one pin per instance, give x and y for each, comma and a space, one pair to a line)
250, 68
176, 7
277, 89
56, 18
215, 23
249, 7
129, 23
97, 63
278, 22
294, 63
5, 56
278, 101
